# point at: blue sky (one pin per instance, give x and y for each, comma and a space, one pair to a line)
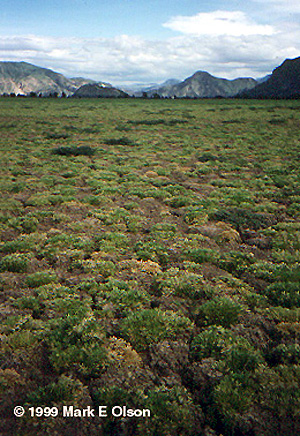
129, 41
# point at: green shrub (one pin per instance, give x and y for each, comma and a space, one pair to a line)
40, 278
83, 150
195, 215
181, 283
126, 301
173, 412
220, 311
287, 273
201, 255
233, 399
153, 325
241, 357
14, 263
235, 262
243, 218
31, 303
66, 389
27, 224
211, 343
106, 268
207, 157
56, 135
21, 244
286, 294
284, 354
76, 344
152, 250
119, 141
179, 201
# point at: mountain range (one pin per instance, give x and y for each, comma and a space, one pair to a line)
284, 82
204, 85
22, 78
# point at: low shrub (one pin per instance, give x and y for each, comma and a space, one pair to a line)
243, 218
181, 283
219, 311
15, 262
83, 150
75, 343
211, 343
65, 389
119, 141
40, 278
286, 294
201, 255
153, 325
288, 354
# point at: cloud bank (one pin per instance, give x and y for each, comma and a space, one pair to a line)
218, 23
226, 44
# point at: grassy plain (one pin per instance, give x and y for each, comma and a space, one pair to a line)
149, 257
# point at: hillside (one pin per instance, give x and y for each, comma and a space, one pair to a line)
23, 78
283, 83
96, 90
204, 85
153, 89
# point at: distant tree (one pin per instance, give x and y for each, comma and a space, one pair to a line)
63, 95
156, 95
144, 95
12, 94
32, 94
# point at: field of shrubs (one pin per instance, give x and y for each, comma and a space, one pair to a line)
149, 257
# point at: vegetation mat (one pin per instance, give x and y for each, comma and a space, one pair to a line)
149, 258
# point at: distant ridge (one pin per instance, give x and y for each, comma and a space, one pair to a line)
96, 90
204, 85
23, 78
284, 82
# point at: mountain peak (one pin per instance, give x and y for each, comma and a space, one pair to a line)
23, 78
284, 82
96, 90
203, 85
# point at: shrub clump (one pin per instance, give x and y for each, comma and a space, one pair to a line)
15, 262
40, 278
83, 150
244, 218
153, 325
219, 311
119, 141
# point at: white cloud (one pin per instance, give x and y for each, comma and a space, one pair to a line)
127, 59
216, 23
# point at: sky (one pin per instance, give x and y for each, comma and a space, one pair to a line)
126, 42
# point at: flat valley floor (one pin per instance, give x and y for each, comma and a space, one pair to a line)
149, 261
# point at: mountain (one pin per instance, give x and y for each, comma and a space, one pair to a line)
284, 82
263, 79
162, 88
138, 89
204, 85
96, 90
23, 78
